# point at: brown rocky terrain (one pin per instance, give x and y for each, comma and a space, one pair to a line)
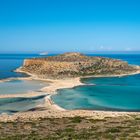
75, 65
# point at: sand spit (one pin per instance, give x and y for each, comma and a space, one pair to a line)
60, 84
50, 89
54, 111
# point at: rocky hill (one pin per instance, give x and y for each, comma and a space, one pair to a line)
75, 65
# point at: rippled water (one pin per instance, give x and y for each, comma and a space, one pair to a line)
13, 105
114, 93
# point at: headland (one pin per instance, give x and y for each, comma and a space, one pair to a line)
65, 71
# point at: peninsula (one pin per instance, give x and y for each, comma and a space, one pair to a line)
72, 65
65, 71
48, 120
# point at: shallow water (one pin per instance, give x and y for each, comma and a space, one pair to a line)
21, 86
113, 93
8, 63
13, 105
107, 94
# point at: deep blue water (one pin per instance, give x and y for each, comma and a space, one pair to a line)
130, 58
121, 94
9, 62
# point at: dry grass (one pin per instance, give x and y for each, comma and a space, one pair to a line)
77, 128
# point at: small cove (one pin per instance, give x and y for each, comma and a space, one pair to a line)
109, 93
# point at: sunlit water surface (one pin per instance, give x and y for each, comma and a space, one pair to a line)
115, 94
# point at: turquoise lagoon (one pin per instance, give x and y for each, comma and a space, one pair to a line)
121, 94
110, 94
13, 105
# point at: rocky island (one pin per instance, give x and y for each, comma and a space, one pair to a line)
71, 65
50, 121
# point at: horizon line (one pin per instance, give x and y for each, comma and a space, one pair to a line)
58, 52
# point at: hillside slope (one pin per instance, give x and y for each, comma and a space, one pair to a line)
75, 65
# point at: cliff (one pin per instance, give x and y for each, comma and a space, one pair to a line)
75, 65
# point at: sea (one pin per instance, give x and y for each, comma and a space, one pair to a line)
106, 94
110, 94
9, 63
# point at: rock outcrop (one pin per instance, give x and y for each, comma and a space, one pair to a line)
75, 65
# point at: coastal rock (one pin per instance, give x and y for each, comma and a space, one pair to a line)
75, 65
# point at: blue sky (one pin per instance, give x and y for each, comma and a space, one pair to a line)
69, 25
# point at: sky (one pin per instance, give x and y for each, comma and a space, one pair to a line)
69, 25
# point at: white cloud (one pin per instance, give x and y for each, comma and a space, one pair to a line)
128, 49
103, 48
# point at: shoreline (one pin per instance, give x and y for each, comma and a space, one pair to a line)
53, 110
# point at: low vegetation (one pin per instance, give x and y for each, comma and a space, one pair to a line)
77, 128
75, 65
